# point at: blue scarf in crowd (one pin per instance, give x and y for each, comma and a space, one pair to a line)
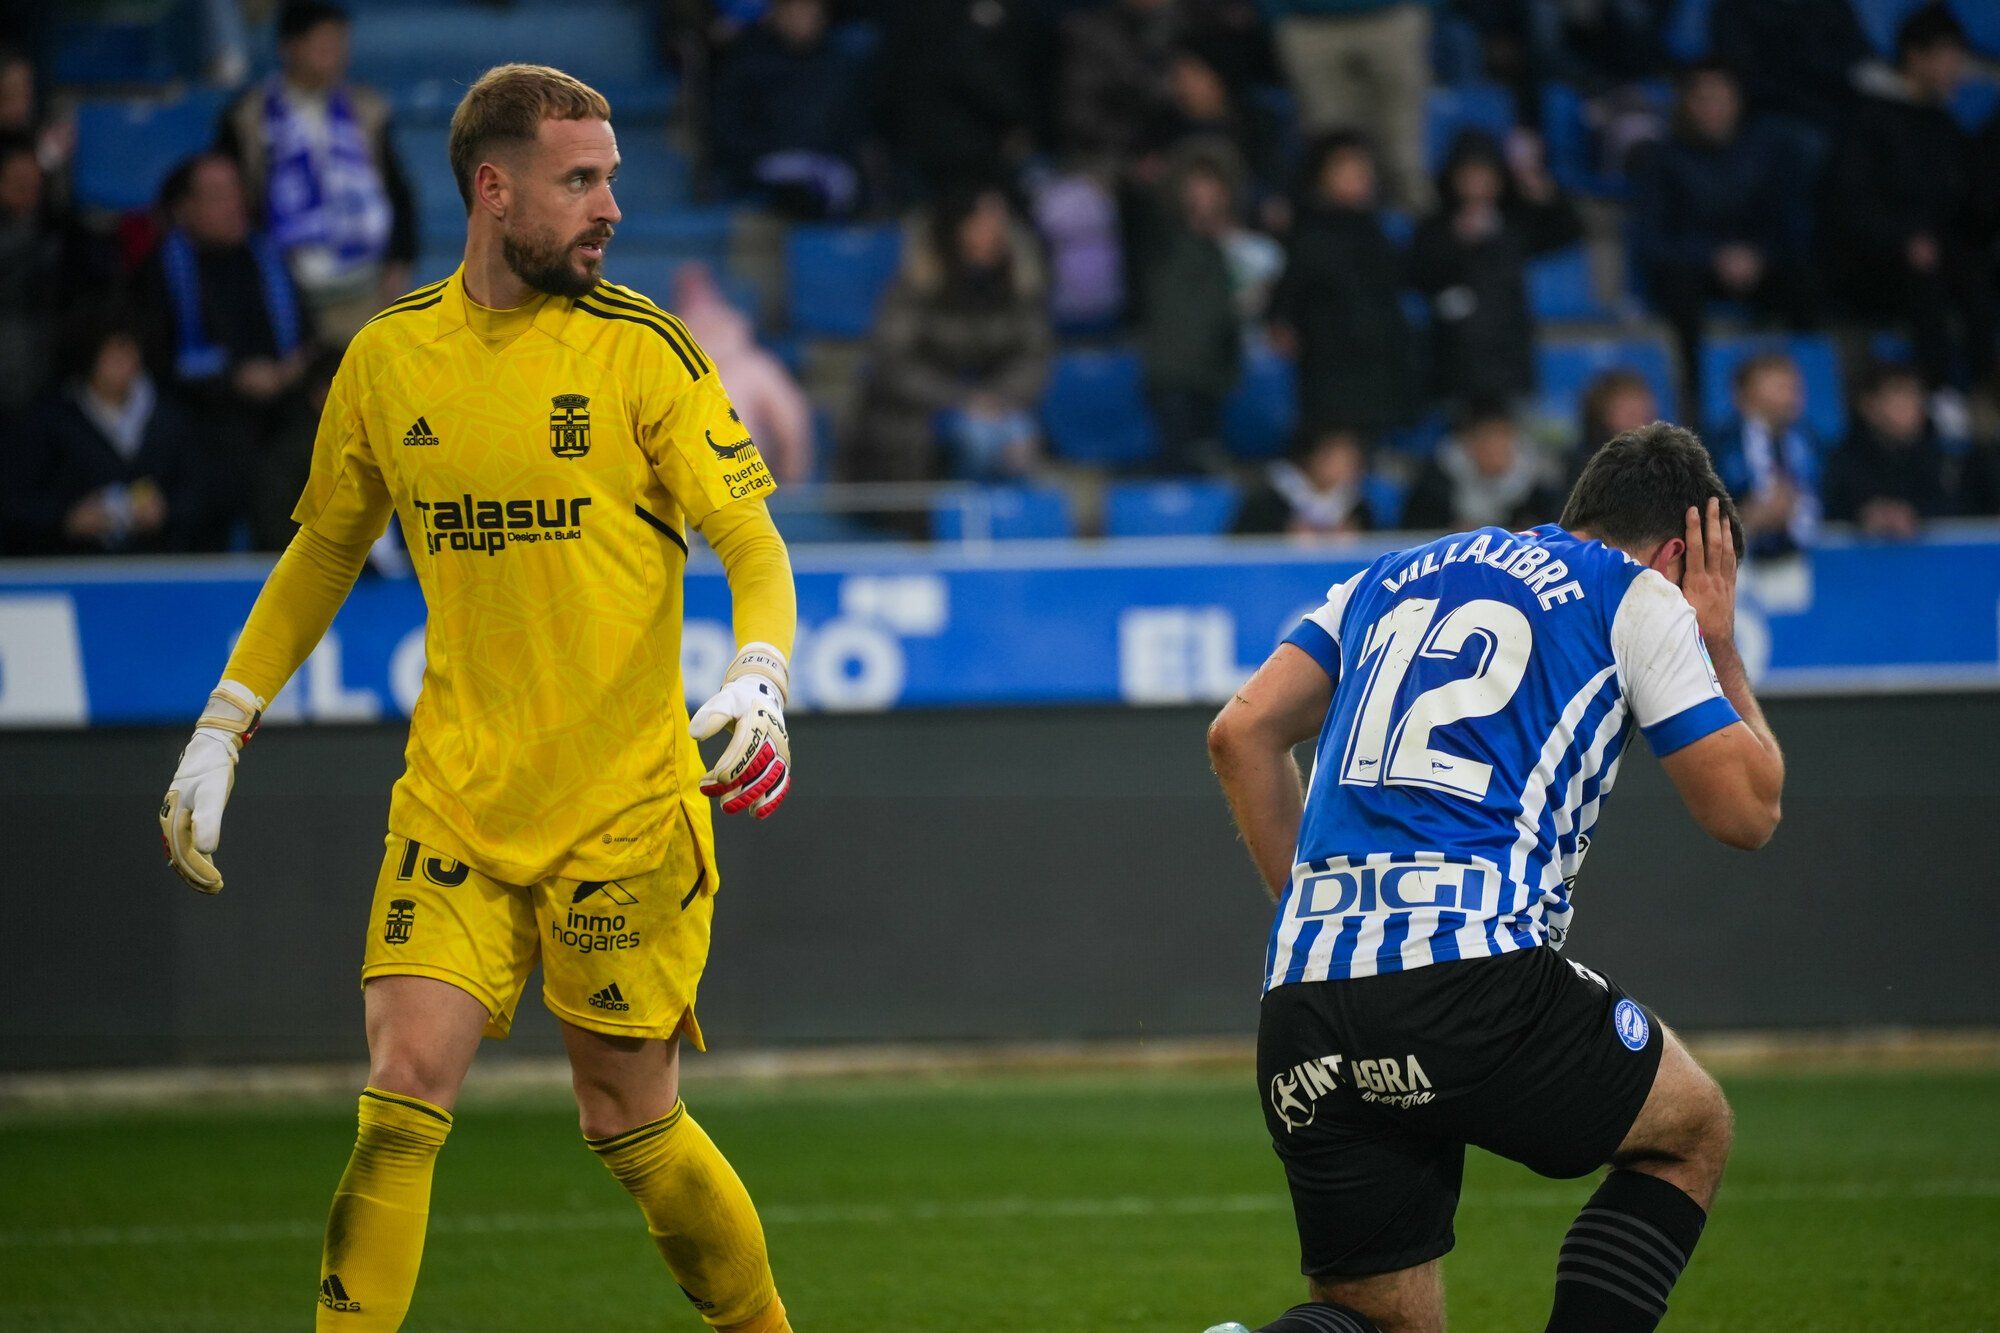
195, 357
324, 195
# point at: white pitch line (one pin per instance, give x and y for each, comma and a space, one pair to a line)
973, 1210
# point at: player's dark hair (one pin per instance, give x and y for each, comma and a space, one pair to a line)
1932, 26
300, 17
1636, 490
507, 104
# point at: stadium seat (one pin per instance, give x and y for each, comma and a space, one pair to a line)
125, 148
600, 43
86, 53
835, 276
1687, 30
1385, 499
1258, 419
1471, 106
1564, 368
1002, 513
1094, 410
1190, 508
1819, 366
1560, 287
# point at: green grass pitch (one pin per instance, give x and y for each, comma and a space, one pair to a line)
995, 1204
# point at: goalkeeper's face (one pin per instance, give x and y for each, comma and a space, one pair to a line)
562, 214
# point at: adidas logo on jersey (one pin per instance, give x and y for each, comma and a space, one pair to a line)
420, 434
610, 998
334, 1296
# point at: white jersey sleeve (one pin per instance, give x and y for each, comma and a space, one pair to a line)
1663, 666
1319, 633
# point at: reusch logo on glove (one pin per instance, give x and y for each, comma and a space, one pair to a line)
468, 524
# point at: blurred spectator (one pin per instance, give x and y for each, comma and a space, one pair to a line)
1320, 491
1338, 306
225, 328
1078, 220
1797, 59
1890, 476
107, 465
1470, 260
1719, 212
1769, 459
1235, 40
1902, 200
317, 157
1114, 83
32, 280
1483, 475
1364, 65
959, 102
1614, 401
960, 352
773, 406
22, 115
790, 113
283, 468
1185, 314
1201, 110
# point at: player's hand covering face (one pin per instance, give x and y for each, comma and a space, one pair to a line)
1708, 580
191, 813
755, 770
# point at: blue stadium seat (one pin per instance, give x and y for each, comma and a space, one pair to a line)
1385, 500
1258, 419
1687, 29
124, 149
1572, 144
1564, 368
1192, 508
1560, 287
1471, 106
835, 276
600, 43
1003, 513
103, 52
1819, 367
1094, 410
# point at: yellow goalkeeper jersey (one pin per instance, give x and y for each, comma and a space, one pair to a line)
546, 463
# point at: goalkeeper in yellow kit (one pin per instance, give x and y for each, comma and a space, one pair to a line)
546, 439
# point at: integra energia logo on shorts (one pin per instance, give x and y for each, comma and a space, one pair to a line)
469, 524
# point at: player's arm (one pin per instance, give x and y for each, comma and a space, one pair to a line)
1732, 780
1250, 746
699, 449
343, 510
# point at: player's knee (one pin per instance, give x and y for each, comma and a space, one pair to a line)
416, 1073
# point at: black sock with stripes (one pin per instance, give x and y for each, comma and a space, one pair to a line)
1320, 1319
1623, 1255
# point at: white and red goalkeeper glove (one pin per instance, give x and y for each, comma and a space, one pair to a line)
755, 771
191, 814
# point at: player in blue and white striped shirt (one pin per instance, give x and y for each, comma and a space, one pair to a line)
1473, 698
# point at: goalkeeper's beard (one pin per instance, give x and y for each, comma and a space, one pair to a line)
552, 266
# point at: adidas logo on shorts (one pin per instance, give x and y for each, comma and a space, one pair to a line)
610, 998
334, 1296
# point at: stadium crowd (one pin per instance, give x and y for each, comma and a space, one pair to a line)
1232, 190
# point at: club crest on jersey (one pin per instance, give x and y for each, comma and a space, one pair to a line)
569, 425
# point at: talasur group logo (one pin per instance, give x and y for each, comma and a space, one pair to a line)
470, 524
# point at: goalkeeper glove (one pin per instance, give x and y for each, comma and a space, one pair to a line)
191, 814
755, 771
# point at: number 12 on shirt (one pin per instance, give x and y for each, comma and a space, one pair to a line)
1387, 746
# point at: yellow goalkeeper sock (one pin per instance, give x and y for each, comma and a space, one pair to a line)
702, 1219
375, 1233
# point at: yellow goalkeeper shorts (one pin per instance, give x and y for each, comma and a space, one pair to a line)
618, 956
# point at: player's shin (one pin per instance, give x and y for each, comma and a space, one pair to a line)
701, 1218
375, 1232
1623, 1255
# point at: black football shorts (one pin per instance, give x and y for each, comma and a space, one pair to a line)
1373, 1087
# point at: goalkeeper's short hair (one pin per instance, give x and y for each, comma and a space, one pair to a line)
507, 104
